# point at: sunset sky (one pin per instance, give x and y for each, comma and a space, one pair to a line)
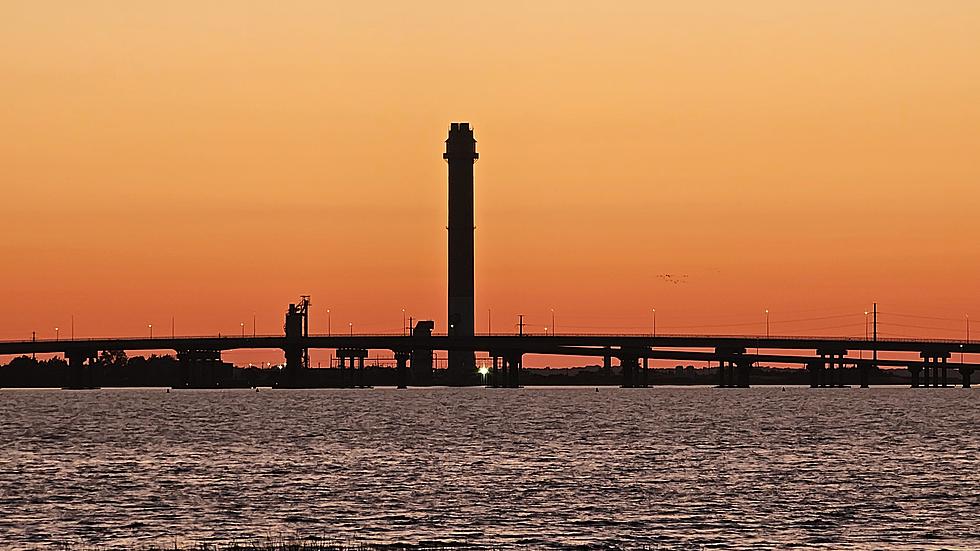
208, 160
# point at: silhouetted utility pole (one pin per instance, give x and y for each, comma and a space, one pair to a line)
489, 329
874, 351
520, 325
552, 321
33, 340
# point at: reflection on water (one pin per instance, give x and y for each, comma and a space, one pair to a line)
541, 467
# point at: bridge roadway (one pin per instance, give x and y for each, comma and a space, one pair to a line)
560, 344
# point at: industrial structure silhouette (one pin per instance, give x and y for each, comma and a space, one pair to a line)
826, 358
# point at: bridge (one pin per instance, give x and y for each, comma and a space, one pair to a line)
824, 357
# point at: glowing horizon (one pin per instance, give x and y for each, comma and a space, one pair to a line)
710, 161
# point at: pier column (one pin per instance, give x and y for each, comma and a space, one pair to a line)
728, 362
629, 361
744, 373
422, 353
342, 367
814, 367
512, 365
493, 370
914, 370
401, 375
645, 373
832, 367
864, 374
80, 374
607, 363
936, 368
966, 373
361, 375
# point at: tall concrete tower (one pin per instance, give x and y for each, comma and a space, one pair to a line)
461, 154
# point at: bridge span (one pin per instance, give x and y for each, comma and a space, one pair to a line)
825, 357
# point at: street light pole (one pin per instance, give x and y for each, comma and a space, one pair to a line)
57, 334
403, 322
351, 325
552, 321
150, 325
767, 323
328, 322
654, 323
243, 329
865, 331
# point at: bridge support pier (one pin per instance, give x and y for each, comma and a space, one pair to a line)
401, 373
198, 368
352, 367
936, 369
733, 370
915, 370
831, 368
512, 369
607, 362
422, 355
816, 373
864, 374
744, 373
965, 374
629, 362
81, 374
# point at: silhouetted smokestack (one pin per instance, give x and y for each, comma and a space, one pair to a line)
461, 154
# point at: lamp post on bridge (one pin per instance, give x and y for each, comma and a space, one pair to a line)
328, 322
403, 322
865, 331
967, 336
767, 323
150, 326
351, 326
243, 329
552, 321
57, 334
654, 333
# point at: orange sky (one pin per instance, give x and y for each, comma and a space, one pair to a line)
207, 160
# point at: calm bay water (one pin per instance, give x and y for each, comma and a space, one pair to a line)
538, 467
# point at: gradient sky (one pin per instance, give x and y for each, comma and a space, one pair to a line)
210, 160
